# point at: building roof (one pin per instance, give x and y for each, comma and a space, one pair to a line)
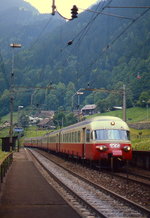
89, 107
46, 114
46, 122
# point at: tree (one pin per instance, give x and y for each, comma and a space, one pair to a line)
24, 120
59, 119
70, 119
144, 99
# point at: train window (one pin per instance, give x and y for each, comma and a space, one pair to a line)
92, 134
72, 137
87, 135
128, 135
76, 137
67, 137
111, 134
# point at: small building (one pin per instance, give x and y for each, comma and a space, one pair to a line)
46, 114
89, 109
46, 124
117, 108
34, 120
6, 145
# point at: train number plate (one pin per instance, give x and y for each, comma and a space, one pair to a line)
117, 153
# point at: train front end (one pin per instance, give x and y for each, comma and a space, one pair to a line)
111, 137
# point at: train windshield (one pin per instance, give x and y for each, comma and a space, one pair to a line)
111, 134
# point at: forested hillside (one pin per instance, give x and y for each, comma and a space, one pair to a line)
96, 50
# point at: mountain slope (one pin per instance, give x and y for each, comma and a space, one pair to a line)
101, 55
22, 23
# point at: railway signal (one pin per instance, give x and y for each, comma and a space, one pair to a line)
74, 12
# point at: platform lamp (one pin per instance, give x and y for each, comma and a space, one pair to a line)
13, 46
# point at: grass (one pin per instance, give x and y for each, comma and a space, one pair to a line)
135, 114
7, 118
3, 155
32, 131
140, 142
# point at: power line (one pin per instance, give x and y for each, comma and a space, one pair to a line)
89, 24
132, 22
84, 31
133, 7
107, 14
41, 33
108, 46
63, 16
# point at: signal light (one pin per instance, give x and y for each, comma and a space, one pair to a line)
74, 12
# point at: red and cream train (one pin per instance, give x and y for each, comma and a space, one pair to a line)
103, 138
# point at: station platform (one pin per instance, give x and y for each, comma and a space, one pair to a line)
26, 193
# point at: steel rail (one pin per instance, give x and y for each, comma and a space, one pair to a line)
126, 176
84, 203
141, 176
105, 190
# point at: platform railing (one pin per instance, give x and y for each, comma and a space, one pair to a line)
4, 166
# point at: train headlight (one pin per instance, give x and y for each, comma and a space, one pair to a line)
101, 147
127, 148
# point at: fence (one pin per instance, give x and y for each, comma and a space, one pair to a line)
4, 166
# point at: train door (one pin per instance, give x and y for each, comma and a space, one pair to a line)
47, 141
84, 142
57, 143
59, 140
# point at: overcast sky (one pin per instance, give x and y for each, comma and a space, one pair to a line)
63, 6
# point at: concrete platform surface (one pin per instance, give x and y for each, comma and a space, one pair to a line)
26, 194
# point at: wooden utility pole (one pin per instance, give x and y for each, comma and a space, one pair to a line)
124, 103
53, 7
13, 45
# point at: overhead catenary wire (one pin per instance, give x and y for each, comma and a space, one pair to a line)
124, 7
132, 22
101, 6
80, 35
109, 45
84, 31
63, 16
41, 33
107, 14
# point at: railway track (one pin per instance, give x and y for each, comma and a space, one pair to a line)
133, 177
89, 198
144, 174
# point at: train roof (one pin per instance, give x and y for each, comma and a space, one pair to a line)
106, 122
